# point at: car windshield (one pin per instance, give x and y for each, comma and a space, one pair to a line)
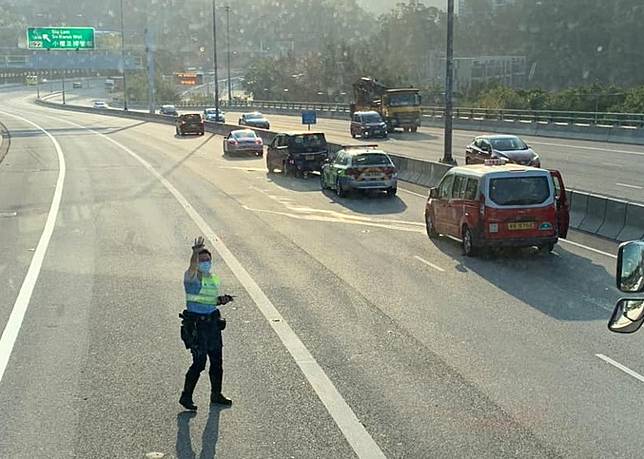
401, 100
371, 159
508, 143
308, 141
519, 191
244, 135
254, 116
371, 118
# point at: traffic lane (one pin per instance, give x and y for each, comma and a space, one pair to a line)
104, 276
367, 355
539, 352
594, 276
580, 161
28, 177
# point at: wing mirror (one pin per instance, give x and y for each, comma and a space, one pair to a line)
433, 193
628, 315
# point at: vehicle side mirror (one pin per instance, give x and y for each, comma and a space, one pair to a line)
628, 316
433, 193
630, 267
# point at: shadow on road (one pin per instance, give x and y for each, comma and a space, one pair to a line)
563, 285
209, 438
368, 202
411, 136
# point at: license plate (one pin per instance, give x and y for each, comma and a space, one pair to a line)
309, 157
521, 226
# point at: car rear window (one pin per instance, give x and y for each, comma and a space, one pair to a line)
244, 135
192, 117
308, 141
519, 191
371, 159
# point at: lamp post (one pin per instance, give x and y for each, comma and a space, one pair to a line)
449, 84
230, 85
214, 50
123, 60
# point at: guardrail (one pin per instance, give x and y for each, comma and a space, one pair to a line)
600, 215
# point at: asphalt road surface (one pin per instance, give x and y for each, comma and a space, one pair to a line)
352, 333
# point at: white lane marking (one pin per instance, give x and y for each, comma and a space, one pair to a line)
618, 365
346, 420
413, 193
14, 323
428, 263
630, 186
577, 244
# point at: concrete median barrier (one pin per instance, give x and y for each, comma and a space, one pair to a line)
578, 206
615, 219
595, 214
634, 223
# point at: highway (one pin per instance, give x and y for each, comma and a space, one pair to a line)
609, 169
352, 333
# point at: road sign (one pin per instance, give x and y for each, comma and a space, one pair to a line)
309, 117
60, 38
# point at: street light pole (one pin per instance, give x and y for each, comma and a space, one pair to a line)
214, 50
449, 84
230, 88
123, 60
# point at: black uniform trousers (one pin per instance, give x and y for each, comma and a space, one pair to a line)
208, 347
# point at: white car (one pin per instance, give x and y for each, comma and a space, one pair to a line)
100, 104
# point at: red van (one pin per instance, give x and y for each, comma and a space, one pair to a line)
492, 205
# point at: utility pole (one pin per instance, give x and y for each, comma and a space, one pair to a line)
449, 85
214, 50
123, 60
230, 87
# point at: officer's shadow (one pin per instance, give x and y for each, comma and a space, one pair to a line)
208, 439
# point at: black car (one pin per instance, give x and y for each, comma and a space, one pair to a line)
168, 110
297, 153
254, 119
190, 123
368, 124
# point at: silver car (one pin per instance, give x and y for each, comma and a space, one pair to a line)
506, 147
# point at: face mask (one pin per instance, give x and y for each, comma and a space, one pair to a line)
205, 266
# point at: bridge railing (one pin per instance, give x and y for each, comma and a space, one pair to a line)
632, 120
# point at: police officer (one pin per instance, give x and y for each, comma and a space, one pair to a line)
202, 325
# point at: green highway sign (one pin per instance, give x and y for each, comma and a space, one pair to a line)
60, 38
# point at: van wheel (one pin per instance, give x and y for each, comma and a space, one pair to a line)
469, 250
429, 225
285, 170
467, 160
391, 192
353, 134
414, 129
322, 182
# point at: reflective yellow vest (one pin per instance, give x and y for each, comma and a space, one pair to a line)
208, 293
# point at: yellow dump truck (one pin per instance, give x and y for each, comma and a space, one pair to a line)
399, 107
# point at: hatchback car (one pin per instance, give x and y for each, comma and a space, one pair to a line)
189, 123
243, 141
168, 110
297, 153
360, 167
495, 205
509, 148
210, 114
254, 119
367, 124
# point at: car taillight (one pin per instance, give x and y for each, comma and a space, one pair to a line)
389, 170
258, 141
232, 142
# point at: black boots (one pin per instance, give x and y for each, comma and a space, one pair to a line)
219, 399
186, 402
